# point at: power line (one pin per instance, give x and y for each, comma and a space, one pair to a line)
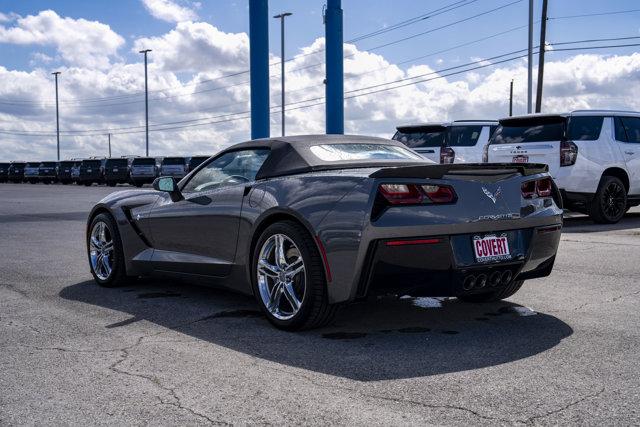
584, 15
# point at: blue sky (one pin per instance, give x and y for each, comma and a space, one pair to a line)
130, 19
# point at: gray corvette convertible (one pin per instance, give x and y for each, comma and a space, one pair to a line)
309, 222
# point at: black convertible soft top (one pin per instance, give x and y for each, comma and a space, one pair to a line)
292, 154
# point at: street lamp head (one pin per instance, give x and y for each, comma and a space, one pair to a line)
55, 73
283, 15
145, 51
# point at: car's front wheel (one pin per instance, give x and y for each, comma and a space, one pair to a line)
104, 248
498, 295
289, 279
610, 202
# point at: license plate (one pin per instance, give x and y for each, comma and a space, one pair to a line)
89, 170
115, 170
520, 159
491, 248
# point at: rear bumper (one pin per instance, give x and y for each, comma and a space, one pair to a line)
576, 201
446, 264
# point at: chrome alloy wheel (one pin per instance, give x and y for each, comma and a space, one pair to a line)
281, 276
101, 250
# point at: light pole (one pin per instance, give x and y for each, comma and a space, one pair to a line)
109, 136
146, 100
281, 17
530, 61
56, 73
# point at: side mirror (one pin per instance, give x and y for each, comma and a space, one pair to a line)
168, 184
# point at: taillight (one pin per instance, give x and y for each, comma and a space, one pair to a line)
568, 153
538, 188
447, 155
414, 194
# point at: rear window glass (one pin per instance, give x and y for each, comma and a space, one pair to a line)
346, 152
91, 163
421, 139
49, 164
464, 136
532, 133
32, 165
117, 162
67, 164
584, 128
144, 162
19, 165
173, 161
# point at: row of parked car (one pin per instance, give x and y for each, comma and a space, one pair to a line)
111, 171
593, 155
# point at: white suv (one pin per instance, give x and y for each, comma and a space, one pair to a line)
461, 141
593, 155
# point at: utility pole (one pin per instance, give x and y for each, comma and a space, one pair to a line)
109, 136
543, 35
281, 17
56, 73
334, 58
530, 61
511, 99
146, 100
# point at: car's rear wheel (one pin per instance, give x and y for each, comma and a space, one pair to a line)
104, 247
610, 202
289, 279
498, 295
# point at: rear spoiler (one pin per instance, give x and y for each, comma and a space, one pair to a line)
421, 128
438, 171
533, 120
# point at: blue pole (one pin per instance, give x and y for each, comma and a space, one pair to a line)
335, 67
259, 64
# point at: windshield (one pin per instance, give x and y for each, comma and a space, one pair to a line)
117, 162
530, 133
144, 162
463, 136
173, 161
346, 152
421, 139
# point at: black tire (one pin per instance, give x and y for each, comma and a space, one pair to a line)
498, 295
610, 201
315, 310
138, 184
111, 184
118, 276
88, 184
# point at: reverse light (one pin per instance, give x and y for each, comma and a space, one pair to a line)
568, 153
447, 155
537, 188
414, 194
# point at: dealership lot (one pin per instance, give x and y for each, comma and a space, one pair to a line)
562, 350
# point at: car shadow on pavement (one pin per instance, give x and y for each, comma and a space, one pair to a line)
584, 224
381, 339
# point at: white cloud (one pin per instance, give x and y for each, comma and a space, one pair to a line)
8, 17
170, 11
205, 53
79, 42
197, 47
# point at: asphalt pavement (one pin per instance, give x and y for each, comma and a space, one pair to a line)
563, 350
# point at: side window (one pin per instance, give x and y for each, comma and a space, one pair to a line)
632, 128
235, 167
621, 134
584, 128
